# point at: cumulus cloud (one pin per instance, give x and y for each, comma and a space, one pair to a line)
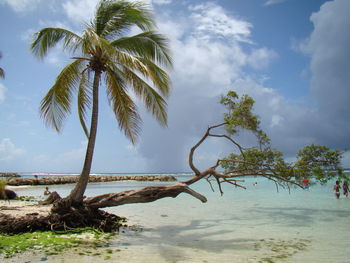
212, 49
212, 20
21, 5
328, 48
205, 68
261, 58
8, 150
80, 10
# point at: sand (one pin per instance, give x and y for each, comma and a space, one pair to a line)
18, 208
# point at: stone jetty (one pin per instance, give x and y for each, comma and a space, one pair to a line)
93, 179
9, 175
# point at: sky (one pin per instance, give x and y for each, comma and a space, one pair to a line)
291, 56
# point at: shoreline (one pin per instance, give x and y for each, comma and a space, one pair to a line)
92, 179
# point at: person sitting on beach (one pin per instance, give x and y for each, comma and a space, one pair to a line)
336, 189
345, 188
47, 192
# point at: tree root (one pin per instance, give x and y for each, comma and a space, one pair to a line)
61, 221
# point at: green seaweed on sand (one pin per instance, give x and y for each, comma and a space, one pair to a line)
281, 249
28, 198
53, 243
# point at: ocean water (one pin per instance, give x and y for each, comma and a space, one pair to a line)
258, 224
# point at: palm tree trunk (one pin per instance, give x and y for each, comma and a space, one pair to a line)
77, 194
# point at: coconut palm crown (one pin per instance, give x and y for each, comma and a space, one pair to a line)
105, 53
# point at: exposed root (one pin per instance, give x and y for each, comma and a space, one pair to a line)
61, 220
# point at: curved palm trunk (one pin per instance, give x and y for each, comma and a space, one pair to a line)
77, 194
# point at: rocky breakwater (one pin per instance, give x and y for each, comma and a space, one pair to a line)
93, 179
9, 175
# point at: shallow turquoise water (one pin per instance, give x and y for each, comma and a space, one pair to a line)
253, 225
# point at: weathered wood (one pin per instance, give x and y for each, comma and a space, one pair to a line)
144, 195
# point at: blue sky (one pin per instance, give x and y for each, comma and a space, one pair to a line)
292, 56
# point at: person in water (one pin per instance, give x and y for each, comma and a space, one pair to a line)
345, 188
305, 183
47, 192
336, 189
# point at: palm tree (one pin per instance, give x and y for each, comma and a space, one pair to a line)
105, 53
2, 72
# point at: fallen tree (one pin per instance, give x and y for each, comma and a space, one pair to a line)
317, 163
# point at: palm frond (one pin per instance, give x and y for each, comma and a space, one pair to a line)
57, 102
115, 17
123, 107
49, 37
126, 59
84, 101
94, 45
153, 102
158, 76
2, 73
149, 45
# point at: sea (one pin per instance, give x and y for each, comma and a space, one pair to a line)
261, 223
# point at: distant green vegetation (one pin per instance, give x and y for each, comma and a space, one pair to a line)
315, 162
50, 243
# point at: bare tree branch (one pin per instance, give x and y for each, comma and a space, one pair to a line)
144, 195
230, 139
190, 157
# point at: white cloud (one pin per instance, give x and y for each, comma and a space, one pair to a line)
276, 120
205, 68
54, 57
73, 155
261, 58
3, 90
131, 147
28, 35
21, 5
8, 151
328, 48
212, 20
274, 2
80, 10
161, 2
